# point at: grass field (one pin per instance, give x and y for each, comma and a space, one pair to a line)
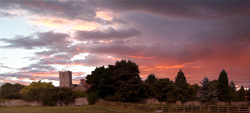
66, 109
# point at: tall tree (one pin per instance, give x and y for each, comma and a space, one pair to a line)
192, 92
165, 90
149, 89
181, 87
208, 91
127, 81
119, 82
101, 81
223, 87
241, 94
151, 79
248, 94
233, 91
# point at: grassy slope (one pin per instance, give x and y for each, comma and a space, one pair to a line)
66, 109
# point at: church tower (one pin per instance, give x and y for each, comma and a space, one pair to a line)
65, 78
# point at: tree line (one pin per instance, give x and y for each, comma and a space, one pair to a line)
121, 82
46, 93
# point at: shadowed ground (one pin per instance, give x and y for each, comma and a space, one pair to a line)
66, 109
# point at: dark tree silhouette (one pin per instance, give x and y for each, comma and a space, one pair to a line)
223, 87
192, 92
181, 87
248, 94
208, 91
151, 79
101, 82
11, 91
165, 90
119, 82
233, 91
241, 94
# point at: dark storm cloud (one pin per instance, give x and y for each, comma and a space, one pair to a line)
66, 9
43, 39
117, 47
71, 10
96, 60
183, 9
108, 34
85, 10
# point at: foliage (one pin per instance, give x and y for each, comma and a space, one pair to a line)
120, 82
35, 89
164, 90
233, 92
129, 91
101, 81
66, 95
92, 97
148, 91
192, 92
49, 96
151, 79
181, 87
248, 94
208, 91
79, 94
241, 94
11, 91
223, 87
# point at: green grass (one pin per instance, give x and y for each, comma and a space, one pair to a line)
66, 109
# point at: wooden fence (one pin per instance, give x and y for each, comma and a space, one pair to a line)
214, 109
175, 109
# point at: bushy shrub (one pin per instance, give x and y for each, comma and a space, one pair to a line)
92, 97
79, 94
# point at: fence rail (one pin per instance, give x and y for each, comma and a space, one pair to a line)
176, 109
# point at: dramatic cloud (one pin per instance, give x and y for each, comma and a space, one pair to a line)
200, 37
181, 9
72, 10
108, 34
43, 39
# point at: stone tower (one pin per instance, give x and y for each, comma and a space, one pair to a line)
65, 78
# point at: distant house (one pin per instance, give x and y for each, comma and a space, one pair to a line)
65, 78
82, 86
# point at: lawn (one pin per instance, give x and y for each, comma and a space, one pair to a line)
66, 109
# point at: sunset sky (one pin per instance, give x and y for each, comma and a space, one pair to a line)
39, 38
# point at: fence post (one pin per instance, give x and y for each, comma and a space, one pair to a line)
200, 108
191, 108
218, 109
169, 109
227, 109
184, 109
